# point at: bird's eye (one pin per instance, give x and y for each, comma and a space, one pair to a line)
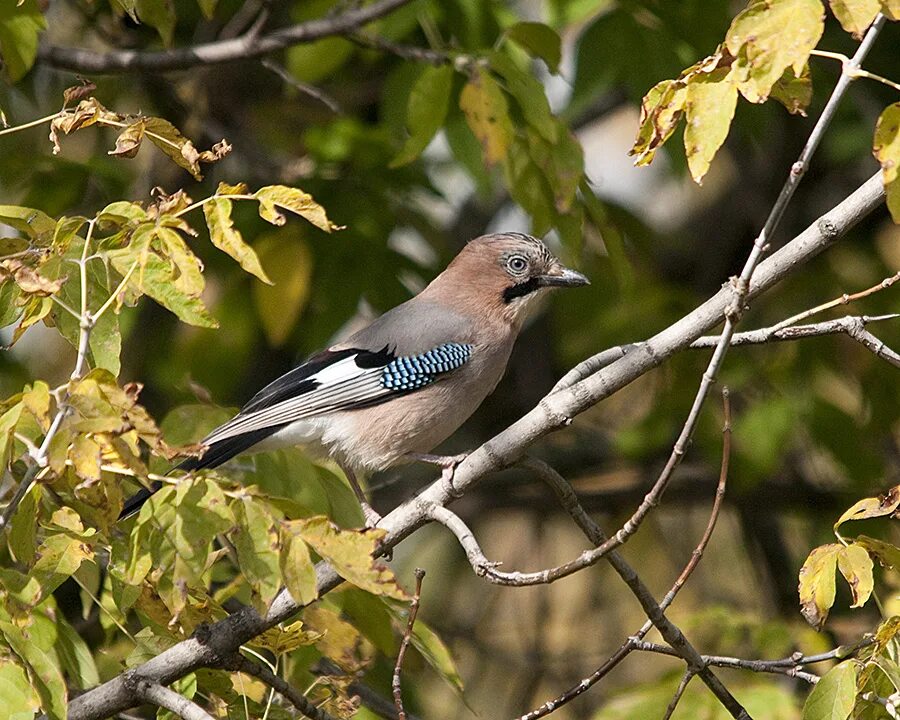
517, 264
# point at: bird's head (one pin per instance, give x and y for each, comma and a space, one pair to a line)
507, 273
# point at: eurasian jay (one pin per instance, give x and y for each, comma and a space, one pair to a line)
397, 388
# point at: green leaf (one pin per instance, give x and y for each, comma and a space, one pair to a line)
19, 699
37, 225
872, 507
256, 541
834, 695
280, 303
23, 527
426, 110
35, 645
75, 656
20, 25
436, 654
817, 584
768, 37
208, 7
298, 571
225, 237
529, 94
538, 40
709, 108
158, 14
855, 16
350, 551
59, 556
856, 567
487, 114
274, 197
886, 149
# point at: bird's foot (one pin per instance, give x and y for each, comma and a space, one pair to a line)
447, 463
371, 515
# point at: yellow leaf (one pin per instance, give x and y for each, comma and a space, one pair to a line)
487, 114
274, 197
770, 36
85, 456
872, 507
855, 16
709, 106
817, 584
290, 264
891, 9
297, 569
350, 552
887, 150
280, 640
856, 567
794, 91
228, 240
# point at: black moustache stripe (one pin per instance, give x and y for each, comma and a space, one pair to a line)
521, 289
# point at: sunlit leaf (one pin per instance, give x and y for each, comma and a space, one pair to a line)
225, 237
273, 198
487, 114
256, 540
350, 551
891, 9
834, 695
856, 567
886, 148
298, 571
855, 16
709, 108
279, 640
426, 111
661, 109
768, 37
19, 699
37, 225
817, 584
538, 40
872, 507
35, 645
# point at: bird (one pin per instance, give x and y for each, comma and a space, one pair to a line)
396, 389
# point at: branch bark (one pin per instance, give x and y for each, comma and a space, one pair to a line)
163, 697
218, 641
248, 46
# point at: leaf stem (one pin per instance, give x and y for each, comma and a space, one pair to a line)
33, 123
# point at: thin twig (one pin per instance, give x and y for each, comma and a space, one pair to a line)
303, 87
404, 643
62, 410
239, 663
855, 72
679, 691
168, 699
781, 333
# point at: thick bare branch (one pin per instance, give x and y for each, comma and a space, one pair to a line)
168, 699
248, 46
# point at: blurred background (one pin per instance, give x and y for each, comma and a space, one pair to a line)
815, 421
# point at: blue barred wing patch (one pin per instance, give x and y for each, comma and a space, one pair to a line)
415, 371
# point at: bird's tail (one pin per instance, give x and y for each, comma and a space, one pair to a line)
135, 502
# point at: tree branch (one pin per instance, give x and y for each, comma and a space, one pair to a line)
156, 694
223, 638
248, 46
240, 663
404, 644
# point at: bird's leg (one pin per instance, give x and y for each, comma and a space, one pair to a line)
447, 463
372, 517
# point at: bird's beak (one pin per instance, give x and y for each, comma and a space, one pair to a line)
563, 277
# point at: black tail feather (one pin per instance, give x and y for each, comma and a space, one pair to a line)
215, 455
